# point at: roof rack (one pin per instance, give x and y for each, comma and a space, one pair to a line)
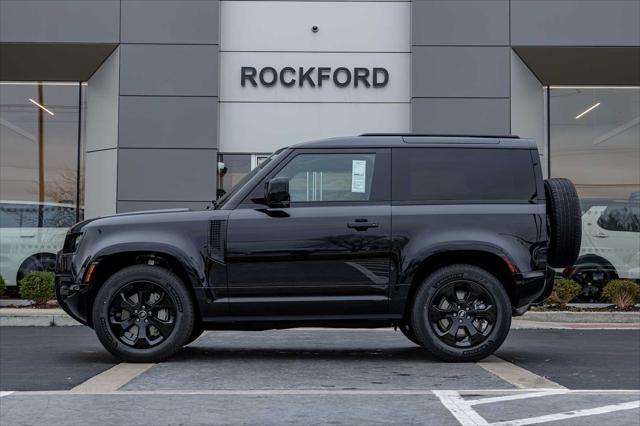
442, 135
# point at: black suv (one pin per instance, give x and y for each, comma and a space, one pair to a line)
442, 237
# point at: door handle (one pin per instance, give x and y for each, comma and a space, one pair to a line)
601, 235
361, 225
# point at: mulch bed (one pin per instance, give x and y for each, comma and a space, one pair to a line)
556, 308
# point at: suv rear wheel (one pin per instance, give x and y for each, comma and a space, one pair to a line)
461, 313
143, 313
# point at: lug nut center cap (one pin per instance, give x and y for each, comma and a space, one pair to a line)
462, 313
142, 314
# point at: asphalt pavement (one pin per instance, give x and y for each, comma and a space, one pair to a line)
320, 376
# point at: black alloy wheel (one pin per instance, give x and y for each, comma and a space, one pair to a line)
462, 314
142, 314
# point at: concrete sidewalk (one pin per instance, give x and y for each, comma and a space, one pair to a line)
557, 320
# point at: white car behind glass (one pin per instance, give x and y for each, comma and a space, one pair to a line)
30, 236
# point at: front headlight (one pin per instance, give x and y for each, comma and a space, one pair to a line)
77, 241
72, 242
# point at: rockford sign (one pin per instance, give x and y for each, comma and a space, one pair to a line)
314, 77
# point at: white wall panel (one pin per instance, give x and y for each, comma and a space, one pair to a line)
396, 90
101, 178
342, 26
102, 105
265, 127
527, 104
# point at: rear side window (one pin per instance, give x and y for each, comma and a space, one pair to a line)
462, 174
621, 219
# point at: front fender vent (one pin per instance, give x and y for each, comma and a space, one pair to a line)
217, 239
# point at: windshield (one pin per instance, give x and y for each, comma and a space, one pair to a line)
246, 178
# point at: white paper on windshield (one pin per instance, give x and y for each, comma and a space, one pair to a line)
358, 174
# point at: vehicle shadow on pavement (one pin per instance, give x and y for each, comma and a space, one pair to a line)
201, 353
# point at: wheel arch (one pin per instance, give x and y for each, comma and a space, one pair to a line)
108, 262
497, 264
594, 259
33, 256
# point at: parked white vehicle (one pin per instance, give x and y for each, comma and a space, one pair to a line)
30, 236
610, 247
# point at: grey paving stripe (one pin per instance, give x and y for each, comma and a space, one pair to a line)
517, 376
112, 379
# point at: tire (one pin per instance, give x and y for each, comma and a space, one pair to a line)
407, 330
195, 333
564, 222
117, 338
492, 306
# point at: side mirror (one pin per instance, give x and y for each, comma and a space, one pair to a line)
276, 192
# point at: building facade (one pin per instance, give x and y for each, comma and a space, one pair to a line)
120, 105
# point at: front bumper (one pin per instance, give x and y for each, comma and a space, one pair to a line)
72, 296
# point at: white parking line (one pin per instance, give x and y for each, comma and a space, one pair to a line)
5, 393
460, 408
464, 412
571, 414
517, 376
399, 392
515, 397
112, 379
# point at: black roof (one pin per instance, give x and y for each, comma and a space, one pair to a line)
382, 140
439, 135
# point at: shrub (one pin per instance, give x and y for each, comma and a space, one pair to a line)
564, 291
622, 293
38, 286
3, 286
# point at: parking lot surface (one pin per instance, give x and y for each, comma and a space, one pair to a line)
587, 377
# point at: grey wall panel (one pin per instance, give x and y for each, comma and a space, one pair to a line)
168, 122
461, 22
170, 21
461, 116
170, 70
166, 174
460, 71
60, 21
135, 206
575, 23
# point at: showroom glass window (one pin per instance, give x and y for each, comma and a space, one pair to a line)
595, 142
233, 167
41, 184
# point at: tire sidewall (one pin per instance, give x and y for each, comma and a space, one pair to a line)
164, 279
424, 331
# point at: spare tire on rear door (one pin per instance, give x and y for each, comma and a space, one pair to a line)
564, 220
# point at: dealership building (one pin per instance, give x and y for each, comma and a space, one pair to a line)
121, 105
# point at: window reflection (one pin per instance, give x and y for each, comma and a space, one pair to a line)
595, 142
39, 173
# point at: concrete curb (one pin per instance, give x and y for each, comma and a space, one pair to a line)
57, 317
26, 317
583, 317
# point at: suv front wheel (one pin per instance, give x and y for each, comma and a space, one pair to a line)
461, 313
143, 313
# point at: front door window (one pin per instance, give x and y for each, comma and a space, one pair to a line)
330, 177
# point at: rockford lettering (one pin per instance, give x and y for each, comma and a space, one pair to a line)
342, 77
